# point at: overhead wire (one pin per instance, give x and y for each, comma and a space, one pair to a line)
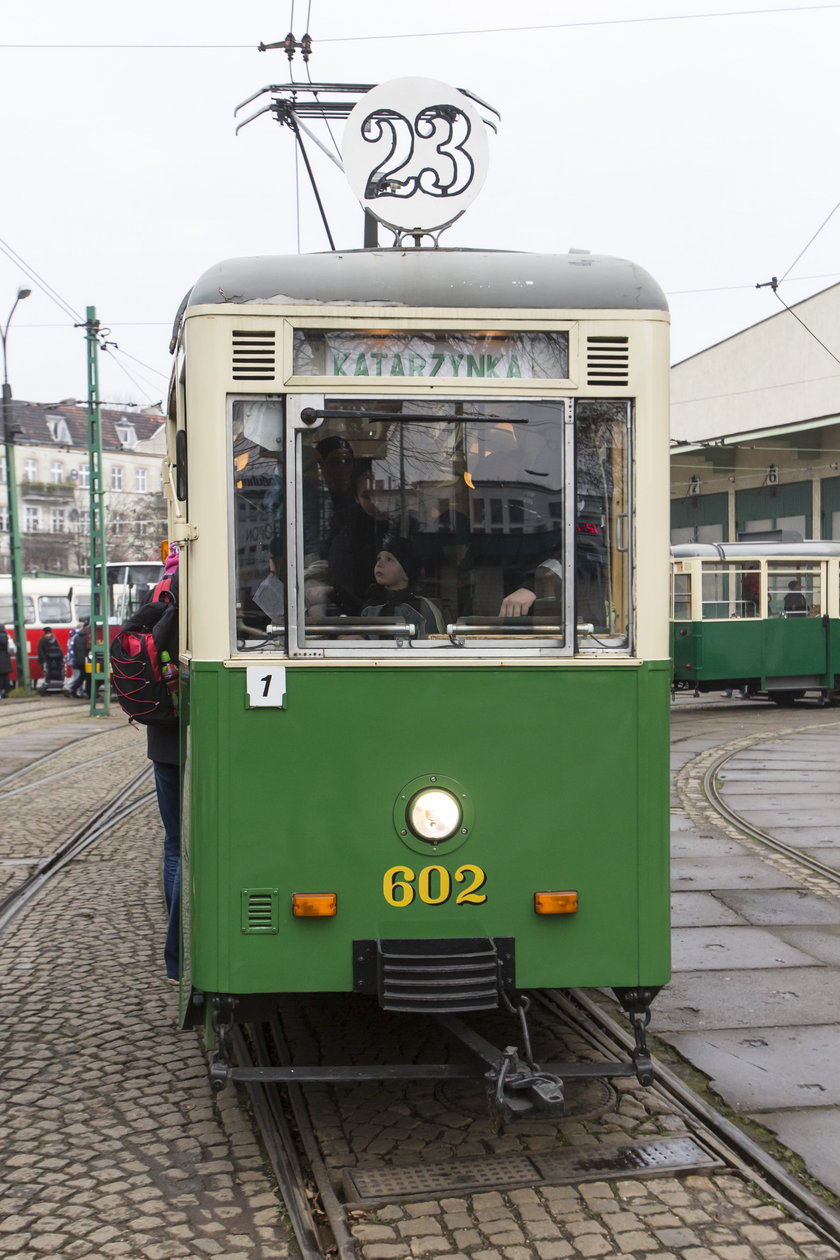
41, 283
76, 318
810, 243
486, 30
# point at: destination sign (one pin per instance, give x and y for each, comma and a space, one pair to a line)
442, 355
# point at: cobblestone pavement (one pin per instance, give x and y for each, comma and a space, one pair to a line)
690, 1218
112, 1144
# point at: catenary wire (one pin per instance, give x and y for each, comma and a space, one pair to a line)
487, 30
810, 243
808, 330
42, 284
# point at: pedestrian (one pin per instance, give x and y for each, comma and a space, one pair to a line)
163, 748
50, 658
77, 655
6, 650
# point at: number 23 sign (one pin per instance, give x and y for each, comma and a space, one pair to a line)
415, 153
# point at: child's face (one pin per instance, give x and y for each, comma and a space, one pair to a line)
388, 572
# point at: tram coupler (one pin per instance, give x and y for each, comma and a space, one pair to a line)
636, 1004
516, 1089
221, 1021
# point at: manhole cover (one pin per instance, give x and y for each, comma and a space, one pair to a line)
585, 1099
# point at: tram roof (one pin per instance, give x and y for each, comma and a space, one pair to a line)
463, 278
816, 548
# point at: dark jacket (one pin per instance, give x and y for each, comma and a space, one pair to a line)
79, 648
163, 739
49, 649
5, 655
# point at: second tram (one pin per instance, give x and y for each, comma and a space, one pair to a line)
759, 617
62, 601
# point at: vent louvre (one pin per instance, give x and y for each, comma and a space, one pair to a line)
254, 355
260, 910
607, 361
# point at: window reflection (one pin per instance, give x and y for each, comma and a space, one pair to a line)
471, 490
260, 553
602, 523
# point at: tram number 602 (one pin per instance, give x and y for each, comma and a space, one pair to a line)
433, 885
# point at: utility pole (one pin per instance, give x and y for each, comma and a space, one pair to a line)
15, 555
100, 640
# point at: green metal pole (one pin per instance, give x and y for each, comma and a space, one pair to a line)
100, 642
15, 553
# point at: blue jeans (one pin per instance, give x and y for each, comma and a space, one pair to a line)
168, 786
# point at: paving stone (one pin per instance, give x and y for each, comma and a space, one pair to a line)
374, 1233
553, 1250
419, 1225
433, 1244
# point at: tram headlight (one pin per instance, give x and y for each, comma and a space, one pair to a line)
434, 815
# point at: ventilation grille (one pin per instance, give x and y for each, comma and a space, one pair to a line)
459, 975
260, 910
607, 361
254, 356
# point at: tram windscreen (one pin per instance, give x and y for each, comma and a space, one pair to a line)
453, 521
465, 497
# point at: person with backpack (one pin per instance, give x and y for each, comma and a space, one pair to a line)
144, 664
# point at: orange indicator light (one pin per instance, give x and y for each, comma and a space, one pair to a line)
556, 902
314, 905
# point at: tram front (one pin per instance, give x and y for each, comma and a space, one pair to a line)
424, 656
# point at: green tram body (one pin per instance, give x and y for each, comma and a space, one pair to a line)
556, 748
730, 628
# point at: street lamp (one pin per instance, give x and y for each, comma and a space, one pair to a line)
12, 503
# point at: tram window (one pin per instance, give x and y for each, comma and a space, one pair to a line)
7, 613
258, 514
602, 533
731, 590
467, 486
793, 590
681, 596
54, 609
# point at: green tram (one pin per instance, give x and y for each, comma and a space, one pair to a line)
757, 617
438, 778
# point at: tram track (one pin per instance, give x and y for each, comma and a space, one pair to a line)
735, 1146
113, 811
293, 1130
713, 794
49, 778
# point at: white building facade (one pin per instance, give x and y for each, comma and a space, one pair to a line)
53, 471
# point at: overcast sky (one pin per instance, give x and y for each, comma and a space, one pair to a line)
701, 147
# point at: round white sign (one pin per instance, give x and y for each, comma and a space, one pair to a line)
415, 153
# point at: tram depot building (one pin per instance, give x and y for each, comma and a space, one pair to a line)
755, 431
